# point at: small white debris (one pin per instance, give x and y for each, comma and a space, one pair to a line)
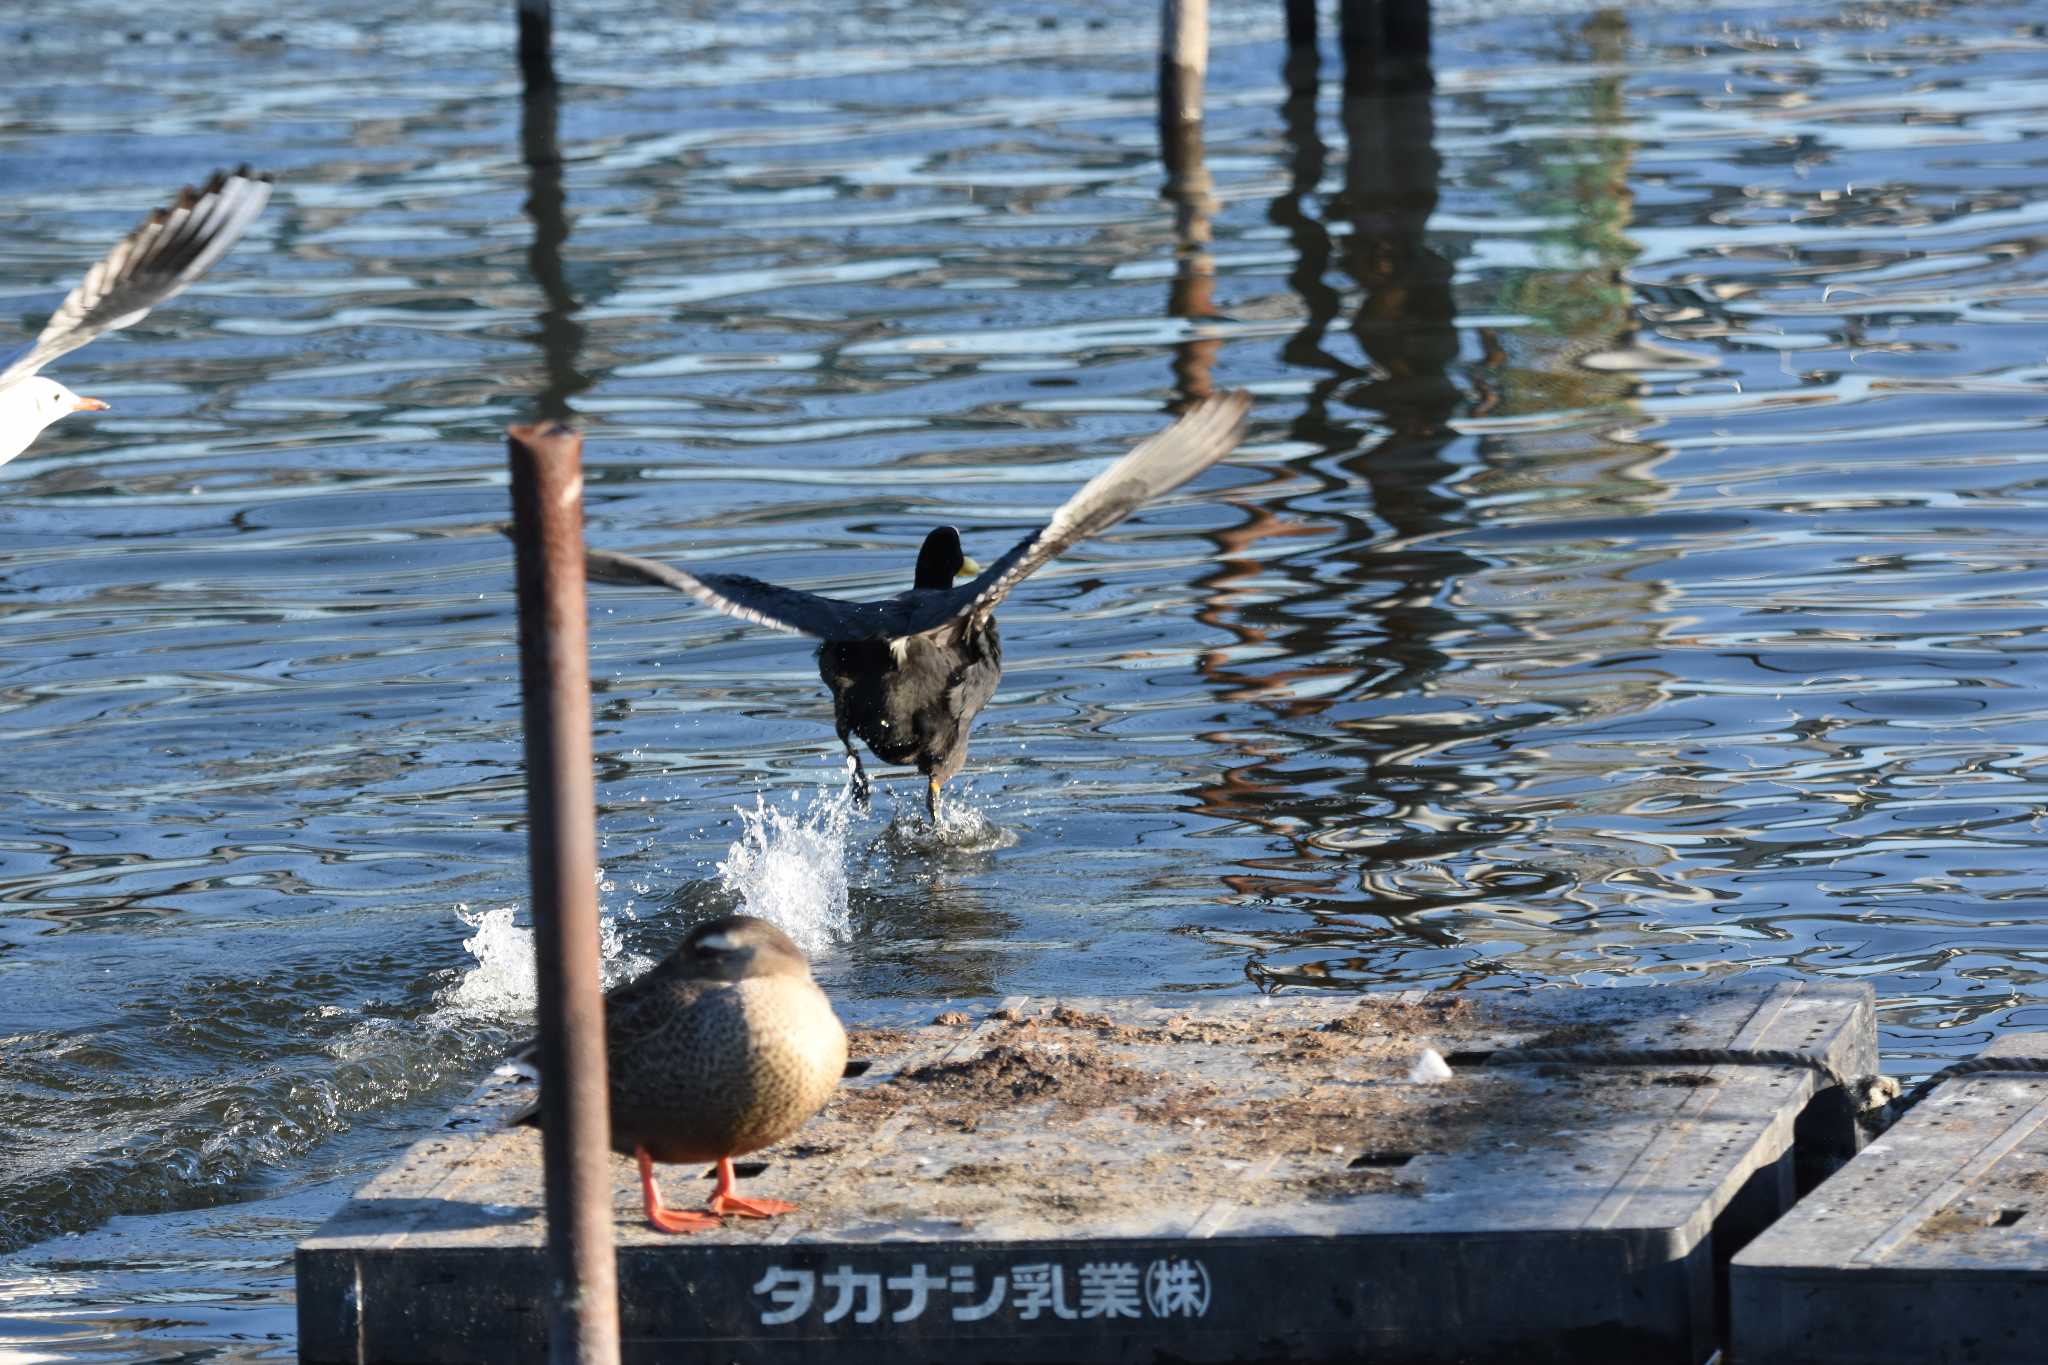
1429, 1068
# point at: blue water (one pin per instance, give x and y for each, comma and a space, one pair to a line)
1634, 571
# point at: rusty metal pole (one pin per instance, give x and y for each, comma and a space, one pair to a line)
554, 681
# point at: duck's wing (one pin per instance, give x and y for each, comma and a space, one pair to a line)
1204, 434
636, 1015
172, 247
649, 1006
750, 599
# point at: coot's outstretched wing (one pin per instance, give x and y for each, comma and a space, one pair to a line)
750, 599
171, 248
1204, 434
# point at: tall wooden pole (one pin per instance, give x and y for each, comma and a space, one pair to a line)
1183, 66
561, 335
582, 1294
1386, 46
536, 44
1304, 63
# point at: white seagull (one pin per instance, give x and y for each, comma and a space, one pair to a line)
173, 247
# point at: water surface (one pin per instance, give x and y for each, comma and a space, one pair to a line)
1633, 573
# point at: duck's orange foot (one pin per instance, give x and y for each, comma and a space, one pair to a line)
749, 1208
676, 1220
660, 1217
723, 1200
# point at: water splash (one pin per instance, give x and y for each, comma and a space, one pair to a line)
789, 867
501, 985
960, 829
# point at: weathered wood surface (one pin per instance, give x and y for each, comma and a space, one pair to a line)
1128, 1180
1931, 1246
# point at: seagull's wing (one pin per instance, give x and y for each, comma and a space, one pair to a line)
171, 248
1203, 435
750, 599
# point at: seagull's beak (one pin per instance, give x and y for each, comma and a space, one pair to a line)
968, 568
89, 405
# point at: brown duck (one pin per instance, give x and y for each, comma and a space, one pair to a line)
727, 1046
909, 673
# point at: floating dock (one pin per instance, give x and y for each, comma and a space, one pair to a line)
1931, 1246
1127, 1180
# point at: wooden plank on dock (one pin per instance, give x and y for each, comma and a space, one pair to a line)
1931, 1246
1097, 1180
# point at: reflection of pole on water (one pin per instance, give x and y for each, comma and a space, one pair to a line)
1192, 296
561, 336
582, 1296
1365, 623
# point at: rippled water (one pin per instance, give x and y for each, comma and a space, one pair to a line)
1634, 571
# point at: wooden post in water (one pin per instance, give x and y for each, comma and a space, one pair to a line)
1385, 44
581, 1290
1304, 62
1183, 63
537, 44
560, 334
1404, 32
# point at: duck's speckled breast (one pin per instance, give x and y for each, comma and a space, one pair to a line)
802, 1052
743, 1067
